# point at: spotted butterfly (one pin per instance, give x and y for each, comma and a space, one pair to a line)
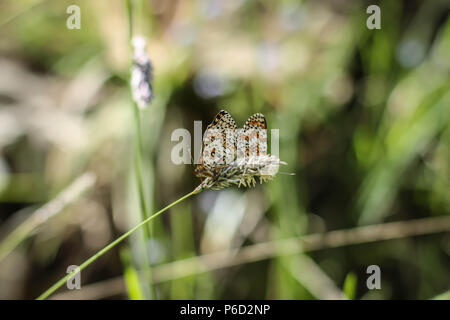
222, 143
252, 139
218, 145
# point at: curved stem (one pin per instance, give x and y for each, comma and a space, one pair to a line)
58, 284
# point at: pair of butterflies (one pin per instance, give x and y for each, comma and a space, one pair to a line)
223, 143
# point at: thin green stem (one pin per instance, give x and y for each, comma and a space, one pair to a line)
139, 149
85, 264
130, 18
138, 165
147, 231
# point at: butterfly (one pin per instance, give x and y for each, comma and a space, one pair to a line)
252, 138
223, 143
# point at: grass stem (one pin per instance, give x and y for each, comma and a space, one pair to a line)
85, 264
139, 165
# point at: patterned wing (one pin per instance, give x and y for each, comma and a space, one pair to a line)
223, 120
256, 121
254, 137
218, 145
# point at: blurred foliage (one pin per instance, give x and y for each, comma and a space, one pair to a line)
364, 119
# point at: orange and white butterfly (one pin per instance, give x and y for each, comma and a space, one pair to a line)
223, 143
251, 140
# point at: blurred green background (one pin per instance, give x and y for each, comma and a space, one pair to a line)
364, 119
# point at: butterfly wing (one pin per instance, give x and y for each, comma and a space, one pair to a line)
256, 121
223, 120
254, 139
220, 132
